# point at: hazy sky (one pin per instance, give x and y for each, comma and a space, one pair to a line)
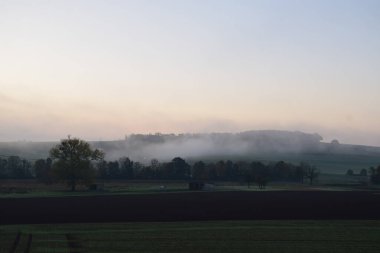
103, 69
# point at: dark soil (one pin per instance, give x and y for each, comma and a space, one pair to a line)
193, 206
15, 243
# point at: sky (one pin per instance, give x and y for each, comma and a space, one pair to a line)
99, 70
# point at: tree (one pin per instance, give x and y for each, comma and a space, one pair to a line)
211, 171
137, 168
72, 161
350, 172
220, 169
14, 167
19, 168
282, 170
42, 169
102, 170
311, 172
199, 171
178, 169
155, 166
363, 172
231, 173
299, 173
113, 169
248, 176
375, 175
126, 168
260, 174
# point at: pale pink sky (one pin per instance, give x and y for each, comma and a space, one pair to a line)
103, 69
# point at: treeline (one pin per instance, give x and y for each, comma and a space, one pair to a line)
15, 167
176, 169
375, 174
179, 169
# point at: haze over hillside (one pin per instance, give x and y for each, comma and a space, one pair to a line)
265, 145
165, 146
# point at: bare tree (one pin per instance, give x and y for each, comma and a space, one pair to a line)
311, 173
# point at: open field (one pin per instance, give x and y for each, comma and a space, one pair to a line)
214, 236
141, 217
31, 188
183, 206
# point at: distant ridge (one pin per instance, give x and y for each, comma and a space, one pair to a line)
264, 145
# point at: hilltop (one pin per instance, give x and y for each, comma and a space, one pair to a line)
264, 145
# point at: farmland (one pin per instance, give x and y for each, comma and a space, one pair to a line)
189, 126
207, 236
193, 206
143, 216
23, 188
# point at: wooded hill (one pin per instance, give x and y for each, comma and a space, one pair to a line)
263, 146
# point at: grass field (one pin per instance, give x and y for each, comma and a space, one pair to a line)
217, 236
32, 188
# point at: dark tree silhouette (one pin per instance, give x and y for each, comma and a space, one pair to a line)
126, 168
282, 170
260, 173
179, 168
102, 168
375, 175
72, 161
199, 171
19, 168
299, 173
43, 170
231, 173
311, 173
3, 169
248, 177
211, 171
113, 170
137, 169
220, 169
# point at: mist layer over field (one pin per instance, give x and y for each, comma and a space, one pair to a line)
167, 146
266, 146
